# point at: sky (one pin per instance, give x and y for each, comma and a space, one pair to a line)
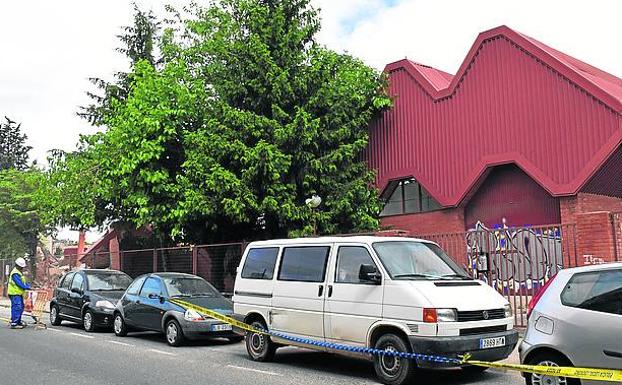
49, 49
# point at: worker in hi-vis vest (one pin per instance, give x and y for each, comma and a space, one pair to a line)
17, 289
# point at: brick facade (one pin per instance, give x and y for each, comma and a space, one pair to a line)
587, 203
434, 222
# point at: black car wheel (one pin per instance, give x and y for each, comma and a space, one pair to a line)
55, 319
120, 329
553, 360
174, 333
393, 370
259, 346
88, 321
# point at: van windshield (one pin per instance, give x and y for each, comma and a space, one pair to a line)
417, 261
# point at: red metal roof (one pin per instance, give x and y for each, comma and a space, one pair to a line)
513, 100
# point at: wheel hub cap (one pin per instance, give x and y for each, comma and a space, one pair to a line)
390, 364
117, 324
257, 342
171, 333
88, 320
540, 379
53, 315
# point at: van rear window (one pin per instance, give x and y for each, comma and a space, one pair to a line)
259, 263
305, 264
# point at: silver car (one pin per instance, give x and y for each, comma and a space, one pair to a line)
576, 320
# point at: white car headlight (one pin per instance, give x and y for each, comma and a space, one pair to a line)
105, 305
446, 315
192, 315
508, 310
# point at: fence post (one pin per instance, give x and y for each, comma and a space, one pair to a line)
155, 261
195, 259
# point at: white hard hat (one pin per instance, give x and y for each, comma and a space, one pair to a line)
21, 262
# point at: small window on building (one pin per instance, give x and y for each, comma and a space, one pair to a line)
407, 196
260, 263
304, 264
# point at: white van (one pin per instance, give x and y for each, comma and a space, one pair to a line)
390, 293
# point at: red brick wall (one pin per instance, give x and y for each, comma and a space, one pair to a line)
433, 222
587, 203
595, 238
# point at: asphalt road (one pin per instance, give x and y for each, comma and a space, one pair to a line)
66, 355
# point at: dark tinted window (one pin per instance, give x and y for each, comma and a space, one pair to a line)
260, 263
349, 261
134, 288
78, 282
306, 264
151, 286
108, 281
66, 284
189, 287
598, 291
406, 197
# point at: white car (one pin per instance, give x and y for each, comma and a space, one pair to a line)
576, 320
399, 294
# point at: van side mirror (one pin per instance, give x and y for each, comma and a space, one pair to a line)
369, 273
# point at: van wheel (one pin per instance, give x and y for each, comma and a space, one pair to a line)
393, 370
549, 359
259, 346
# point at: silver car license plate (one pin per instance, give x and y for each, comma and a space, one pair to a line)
487, 343
221, 327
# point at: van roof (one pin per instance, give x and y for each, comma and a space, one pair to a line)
346, 239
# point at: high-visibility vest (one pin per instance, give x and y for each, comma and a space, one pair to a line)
13, 288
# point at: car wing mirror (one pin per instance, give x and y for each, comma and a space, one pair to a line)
369, 273
76, 290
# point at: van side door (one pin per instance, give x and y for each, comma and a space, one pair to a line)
353, 304
298, 294
255, 281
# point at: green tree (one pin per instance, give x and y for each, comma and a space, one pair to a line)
13, 148
20, 218
139, 43
245, 116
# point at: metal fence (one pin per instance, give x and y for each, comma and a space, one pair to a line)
517, 262
616, 222
216, 263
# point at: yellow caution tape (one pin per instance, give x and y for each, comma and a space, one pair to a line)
596, 374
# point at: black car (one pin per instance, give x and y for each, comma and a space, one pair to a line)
146, 306
88, 297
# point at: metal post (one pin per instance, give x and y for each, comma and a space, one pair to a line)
195, 260
155, 261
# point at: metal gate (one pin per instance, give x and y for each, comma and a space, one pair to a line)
517, 262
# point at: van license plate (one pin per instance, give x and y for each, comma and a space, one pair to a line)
221, 327
487, 343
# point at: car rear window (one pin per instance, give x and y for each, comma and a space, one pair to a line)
597, 291
108, 281
259, 263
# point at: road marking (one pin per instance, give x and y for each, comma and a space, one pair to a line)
55, 330
254, 370
82, 335
162, 352
120, 343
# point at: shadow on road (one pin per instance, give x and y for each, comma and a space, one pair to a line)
358, 368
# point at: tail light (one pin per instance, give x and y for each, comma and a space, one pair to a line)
538, 296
